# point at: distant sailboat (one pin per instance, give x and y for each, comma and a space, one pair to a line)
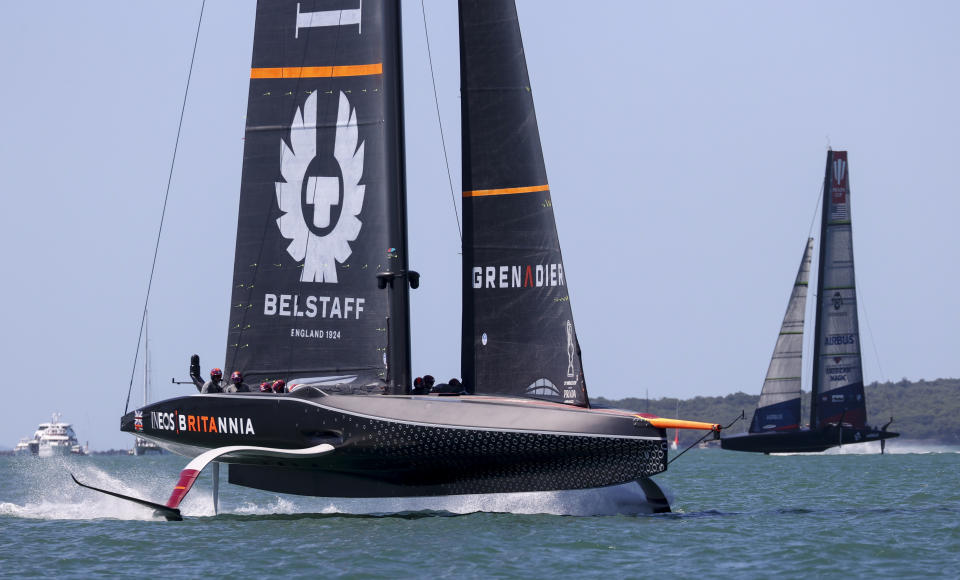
838, 413
676, 432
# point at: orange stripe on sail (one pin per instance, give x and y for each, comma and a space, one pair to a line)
301, 72
507, 191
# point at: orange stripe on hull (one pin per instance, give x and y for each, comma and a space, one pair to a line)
302, 72
507, 191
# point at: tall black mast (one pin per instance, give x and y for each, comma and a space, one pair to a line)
399, 328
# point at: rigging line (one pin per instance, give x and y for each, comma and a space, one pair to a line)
866, 318
873, 342
436, 102
816, 208
707, 434
811, 306
163, 213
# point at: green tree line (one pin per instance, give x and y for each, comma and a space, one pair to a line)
925, 410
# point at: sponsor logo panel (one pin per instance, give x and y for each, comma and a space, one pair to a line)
178, 422
518, 276
839, 208
840, 339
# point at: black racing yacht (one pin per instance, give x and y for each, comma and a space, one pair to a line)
838, 411
322, 283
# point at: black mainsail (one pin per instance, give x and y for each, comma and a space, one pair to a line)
321, 202
838, 413
519, 337
779, 405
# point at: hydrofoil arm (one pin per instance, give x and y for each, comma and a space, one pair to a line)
189, 474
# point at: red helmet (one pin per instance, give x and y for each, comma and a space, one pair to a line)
215, 372
236, 377
265, 387
278, 386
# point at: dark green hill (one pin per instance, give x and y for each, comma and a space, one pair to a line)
927, 410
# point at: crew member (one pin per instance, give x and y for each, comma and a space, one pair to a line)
215, 384
452, 387
266, 387
428, 381
279, 386
236, 384
418, 388
195, 372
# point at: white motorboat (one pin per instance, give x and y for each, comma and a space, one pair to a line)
58, 439
24, 447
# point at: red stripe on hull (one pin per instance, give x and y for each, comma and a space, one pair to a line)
187, 477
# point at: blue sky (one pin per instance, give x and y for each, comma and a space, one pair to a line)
684, 143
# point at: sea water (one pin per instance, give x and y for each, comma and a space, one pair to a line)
852, 513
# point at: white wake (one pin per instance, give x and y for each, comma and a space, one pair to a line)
48, 492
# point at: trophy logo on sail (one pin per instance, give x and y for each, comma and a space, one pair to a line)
320, 212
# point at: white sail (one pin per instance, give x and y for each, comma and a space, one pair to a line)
779, 405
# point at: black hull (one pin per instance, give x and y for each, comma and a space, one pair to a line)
802, 441
402, 446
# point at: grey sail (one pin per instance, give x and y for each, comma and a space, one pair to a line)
779, 405
838, 373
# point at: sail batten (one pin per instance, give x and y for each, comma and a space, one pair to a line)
506, 191
295, 72
518, 334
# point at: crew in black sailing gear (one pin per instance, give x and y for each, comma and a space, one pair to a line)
195, 371
418, 387
215, 384
236, 384
266, 387
428, 381
279, 386
453, 387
